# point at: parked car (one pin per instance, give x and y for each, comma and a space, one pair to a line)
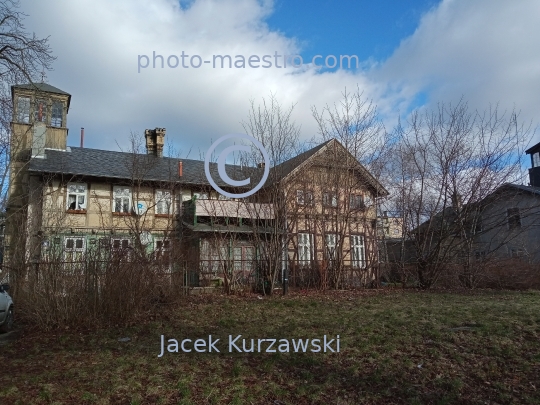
6, 309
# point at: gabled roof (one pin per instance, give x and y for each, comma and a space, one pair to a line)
282, 170
450, 213
520, 187
294, 165
126, 166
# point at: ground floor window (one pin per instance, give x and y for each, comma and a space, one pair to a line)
330, 241
243, 257
305, 248
74, 249
74, 253
358, 252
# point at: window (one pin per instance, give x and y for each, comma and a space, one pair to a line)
243, 259
201, 196
214, 255
76, 196
356, 201
305, 248
480, 255
119, 244
358, 254
163, 245
163, 202
121, 199
517, 252
56, 114
330, 199
74, 248
514, 218
304, 197
23, 110
40, 111
330, 241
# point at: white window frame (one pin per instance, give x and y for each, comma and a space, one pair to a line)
121, 243
74, 254
330, 240
124, 194
201, 196
23, 110
358, 252
305, 248
164, 202
75, 248
79, 191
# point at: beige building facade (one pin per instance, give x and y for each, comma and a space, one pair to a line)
72, 202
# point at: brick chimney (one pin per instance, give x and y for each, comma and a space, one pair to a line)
155, 139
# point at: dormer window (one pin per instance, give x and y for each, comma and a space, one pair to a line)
40, 111
23, 110
76, 196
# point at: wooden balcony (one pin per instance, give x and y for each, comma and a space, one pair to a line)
229, 209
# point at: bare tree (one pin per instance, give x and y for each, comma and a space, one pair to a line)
447, 162
272, 125
350, 185
24, 58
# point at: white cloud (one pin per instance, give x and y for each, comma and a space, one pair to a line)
98, 43
484, 50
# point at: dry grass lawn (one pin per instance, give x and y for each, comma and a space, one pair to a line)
396, 348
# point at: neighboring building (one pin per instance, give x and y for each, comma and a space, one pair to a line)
73, 202
534, 171
509, 226
389, 226
504, 225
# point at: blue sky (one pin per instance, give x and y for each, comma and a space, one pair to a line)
413, 54
368, 29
